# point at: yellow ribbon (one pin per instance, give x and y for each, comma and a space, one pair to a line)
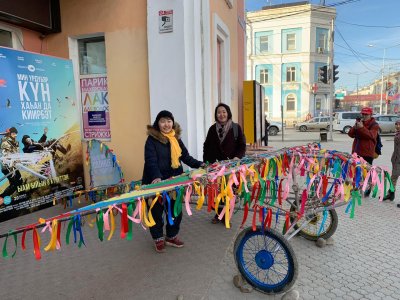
148, 217
52, 245
112, 221
200, 192
347, 191
266, 170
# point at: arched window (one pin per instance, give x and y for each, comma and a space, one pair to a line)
291, 102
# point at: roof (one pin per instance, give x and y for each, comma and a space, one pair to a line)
286, 5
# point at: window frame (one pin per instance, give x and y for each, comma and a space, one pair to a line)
290, 74
290, 41
264, 73
266, 37
292, 99
17, 41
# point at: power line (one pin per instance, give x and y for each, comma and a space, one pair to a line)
369, 26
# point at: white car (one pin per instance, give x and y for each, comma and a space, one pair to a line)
274, 128
386, 123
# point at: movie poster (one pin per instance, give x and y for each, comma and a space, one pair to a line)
41, 152
95, 114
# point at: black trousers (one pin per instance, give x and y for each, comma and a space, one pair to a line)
158, 212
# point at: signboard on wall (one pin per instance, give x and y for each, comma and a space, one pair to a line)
41, 152
104, 167
165, 20
95, 108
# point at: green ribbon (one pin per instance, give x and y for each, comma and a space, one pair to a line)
356, 198
263, 191
131, 208
273, 189
5, 253
388, 178
69, 228
100, 225
178, 202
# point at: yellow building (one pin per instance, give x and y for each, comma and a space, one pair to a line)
180, 55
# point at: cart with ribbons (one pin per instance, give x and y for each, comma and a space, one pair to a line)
298, 187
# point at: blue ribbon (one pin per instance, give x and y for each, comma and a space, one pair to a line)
277, 217
169, 212
70, 200
348, 207
329, 191
358, 175
77, 227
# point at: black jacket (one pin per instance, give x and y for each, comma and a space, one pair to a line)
157, 156
230, 147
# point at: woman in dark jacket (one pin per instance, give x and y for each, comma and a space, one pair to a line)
222, 142
225, 140
164, 151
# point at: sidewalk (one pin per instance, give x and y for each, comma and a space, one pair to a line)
362, 263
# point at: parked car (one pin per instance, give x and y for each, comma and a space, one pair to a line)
317, 123
274, 128
344, 120
386, 123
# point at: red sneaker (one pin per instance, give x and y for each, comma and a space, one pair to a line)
160, 246
174, 242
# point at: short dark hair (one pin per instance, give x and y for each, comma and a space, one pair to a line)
13, 130
163, 114
228, 110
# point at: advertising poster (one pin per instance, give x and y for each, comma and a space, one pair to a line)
95, 115
41, 152
104, 167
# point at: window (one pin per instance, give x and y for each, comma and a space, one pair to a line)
266, 104
290, 103
92, 56
5, 38
264, 76
384, 119
324, 120
263, 44
290, 74
322, 41
291, 41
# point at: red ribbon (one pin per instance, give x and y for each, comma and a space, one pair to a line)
23, 240
124, 221
280, 193
246, 212
36, 246
253, 224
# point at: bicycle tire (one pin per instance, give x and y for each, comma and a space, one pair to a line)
266, 260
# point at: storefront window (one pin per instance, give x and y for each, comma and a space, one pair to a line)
92, 56
5, 38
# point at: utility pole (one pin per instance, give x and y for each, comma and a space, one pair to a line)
331, 80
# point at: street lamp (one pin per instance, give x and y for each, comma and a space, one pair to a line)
383, 67
357, 74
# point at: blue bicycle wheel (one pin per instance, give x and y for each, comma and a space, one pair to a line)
266, 260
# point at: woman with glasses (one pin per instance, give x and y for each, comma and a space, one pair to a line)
225, 139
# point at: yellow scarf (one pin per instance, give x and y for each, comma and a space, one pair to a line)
176, 150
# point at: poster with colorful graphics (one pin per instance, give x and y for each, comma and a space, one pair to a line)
95, 115
41, 152
104, 167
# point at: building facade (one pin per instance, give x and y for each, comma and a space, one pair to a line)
179, 55
286, 46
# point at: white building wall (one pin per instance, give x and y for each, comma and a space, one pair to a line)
177, 84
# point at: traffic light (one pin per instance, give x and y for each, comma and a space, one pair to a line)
323, 74
335, 73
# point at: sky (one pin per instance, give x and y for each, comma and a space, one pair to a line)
365, 30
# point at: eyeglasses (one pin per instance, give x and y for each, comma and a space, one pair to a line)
221, 132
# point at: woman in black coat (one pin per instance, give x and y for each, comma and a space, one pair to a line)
164, 151
225, 139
